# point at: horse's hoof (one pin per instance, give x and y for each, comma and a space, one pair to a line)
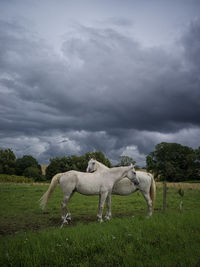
68, 216
66, 219
107, 218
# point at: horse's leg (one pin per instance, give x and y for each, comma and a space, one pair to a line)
102, 198
148, 201
65, 209
108, 203
64, 205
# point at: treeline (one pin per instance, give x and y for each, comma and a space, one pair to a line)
28, 166
169, 161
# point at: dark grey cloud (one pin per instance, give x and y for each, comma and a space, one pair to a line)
104, 90
191, 43
126, 82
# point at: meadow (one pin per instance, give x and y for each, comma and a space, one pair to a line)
31, 237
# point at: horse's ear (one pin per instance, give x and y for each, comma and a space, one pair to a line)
91, 157
132, 166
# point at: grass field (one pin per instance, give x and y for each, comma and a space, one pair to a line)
30, 237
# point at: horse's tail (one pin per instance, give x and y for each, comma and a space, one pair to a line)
153, 191
44, 199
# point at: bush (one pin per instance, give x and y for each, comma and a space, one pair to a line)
33, 172
5, 178
25, 162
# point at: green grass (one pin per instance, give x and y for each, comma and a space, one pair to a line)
165, 240
33, 238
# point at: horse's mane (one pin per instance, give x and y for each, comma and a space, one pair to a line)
99, 164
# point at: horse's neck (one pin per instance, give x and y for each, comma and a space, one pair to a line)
118, 173
100, 166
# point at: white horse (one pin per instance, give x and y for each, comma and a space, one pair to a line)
124, 187
99, 183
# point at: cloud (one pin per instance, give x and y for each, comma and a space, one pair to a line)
122, 22
191, 43
103, 91
126, 82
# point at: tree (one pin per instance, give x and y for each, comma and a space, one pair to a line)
7, 161
173, 162
57, 165
25, 162
197, 153
126, 161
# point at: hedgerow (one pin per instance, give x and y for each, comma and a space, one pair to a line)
5, 178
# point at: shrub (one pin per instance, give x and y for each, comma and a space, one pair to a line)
5, 178
23, 163
32, 172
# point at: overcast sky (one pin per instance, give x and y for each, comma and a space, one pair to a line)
110, 75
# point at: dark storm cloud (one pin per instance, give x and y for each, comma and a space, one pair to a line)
191, 44
133, 87
104, 91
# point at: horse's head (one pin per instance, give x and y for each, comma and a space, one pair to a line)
91, 165
131, 174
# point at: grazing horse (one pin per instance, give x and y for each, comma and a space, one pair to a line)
124, 187
98, 183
